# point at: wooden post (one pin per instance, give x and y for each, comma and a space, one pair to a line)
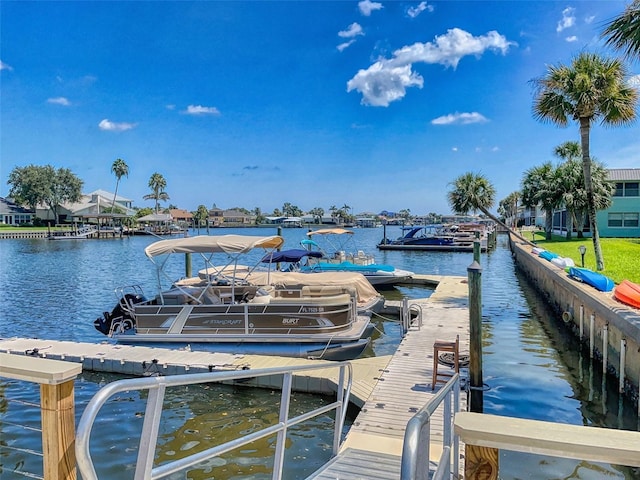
56, 405
480, 463
57, 408
475, 332
187, 260
476, 251
187, 265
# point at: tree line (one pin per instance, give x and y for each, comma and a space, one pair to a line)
36, 185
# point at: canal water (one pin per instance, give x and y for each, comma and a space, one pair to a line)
533, 367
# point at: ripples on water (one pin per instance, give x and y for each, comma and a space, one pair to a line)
532, 366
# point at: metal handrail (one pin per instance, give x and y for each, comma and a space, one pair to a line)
405, 315
417, 437
157, 387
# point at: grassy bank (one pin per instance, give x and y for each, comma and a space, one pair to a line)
621, 255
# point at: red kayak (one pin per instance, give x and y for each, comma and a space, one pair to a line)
628, 293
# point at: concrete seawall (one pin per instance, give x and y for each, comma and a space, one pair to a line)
609, 329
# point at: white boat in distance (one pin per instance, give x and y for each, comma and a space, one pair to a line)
225, 313
342, 260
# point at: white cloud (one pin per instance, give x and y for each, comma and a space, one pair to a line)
571, 39
344, 45
352, 31
110, 126
4, 66
171, 106
495, 149
413, 12
459, 119
589, 20
634, 81
59, 101
367, 6
568, 19
387, 79
382, 84
454, 149
200, 110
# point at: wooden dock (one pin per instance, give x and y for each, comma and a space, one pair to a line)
141, 361
373, 447
389, 390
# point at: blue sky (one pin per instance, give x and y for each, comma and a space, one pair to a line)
376, 105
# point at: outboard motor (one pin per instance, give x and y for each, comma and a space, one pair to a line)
118, 314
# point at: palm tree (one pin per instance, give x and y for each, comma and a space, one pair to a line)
571, 185
539, 187
623, 32
334, 212
347, 209
317, 213
157, 183
473, 192
120, 169
592, 88
508, 207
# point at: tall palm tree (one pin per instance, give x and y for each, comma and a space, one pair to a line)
120, 169
592, 88
157, 183
473, 192
623, 32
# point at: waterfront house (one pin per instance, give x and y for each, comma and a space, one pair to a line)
622, 218
92, 205
13, 214
181, 217
229, 218
216, 217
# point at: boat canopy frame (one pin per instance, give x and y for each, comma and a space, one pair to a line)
234, 246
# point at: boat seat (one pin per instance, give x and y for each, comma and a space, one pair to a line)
209, 297
440, 346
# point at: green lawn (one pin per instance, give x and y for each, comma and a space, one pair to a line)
621, 255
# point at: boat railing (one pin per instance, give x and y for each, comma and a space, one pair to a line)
417, 437
156, 388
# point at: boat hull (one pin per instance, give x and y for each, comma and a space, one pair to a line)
628, 293
595, 279
330, 350
323, 327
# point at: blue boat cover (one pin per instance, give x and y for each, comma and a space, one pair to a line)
595, 279
307, 242
548, 255
293, 255
412, 232
348, 267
